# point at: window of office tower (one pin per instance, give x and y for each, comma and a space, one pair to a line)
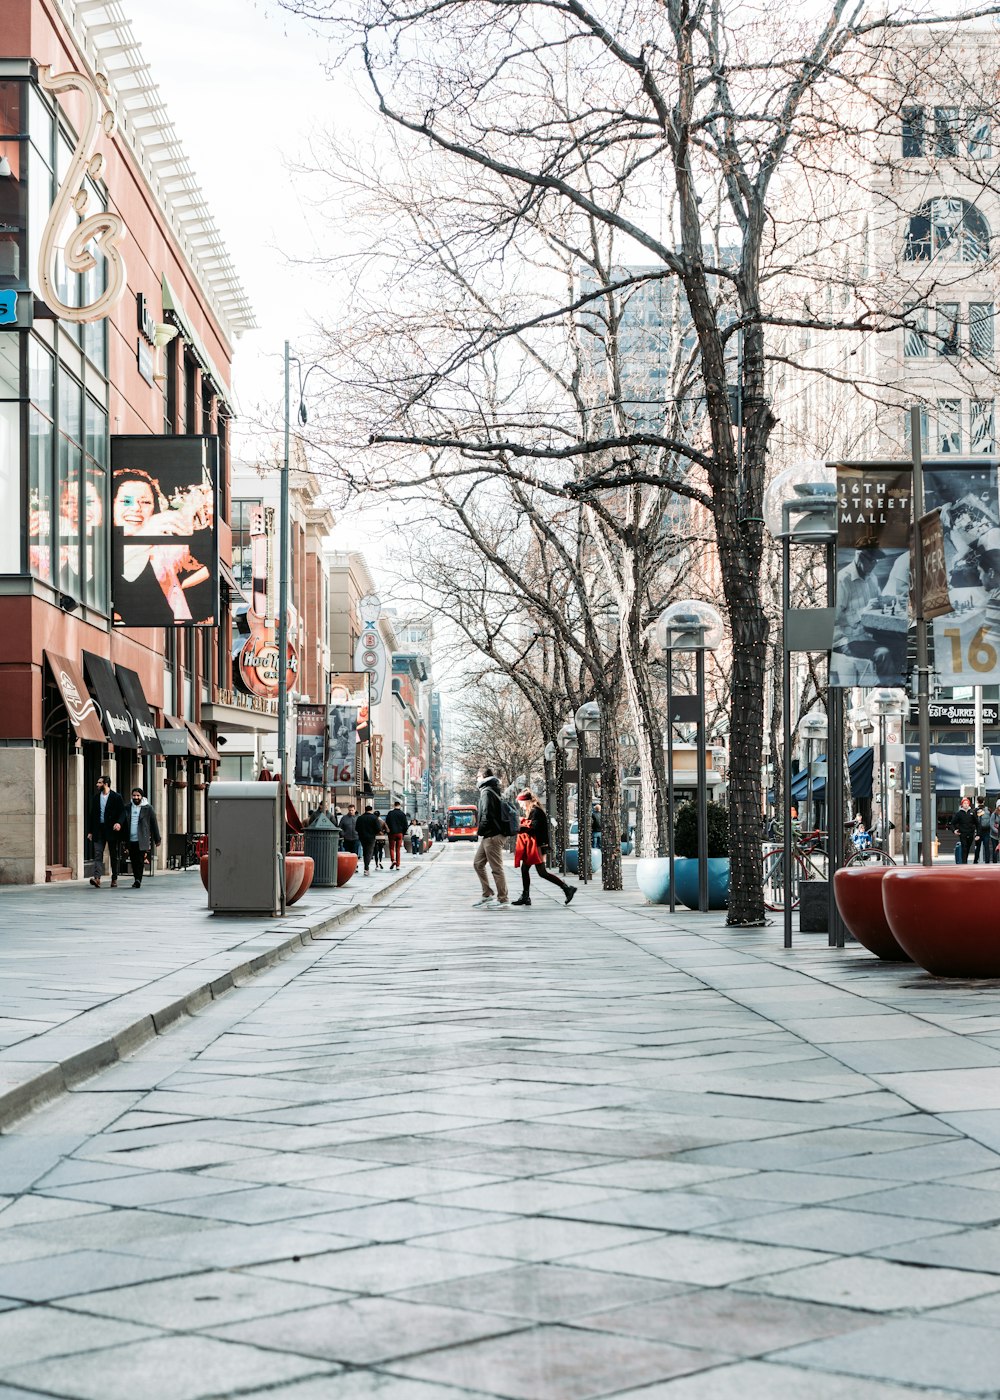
951, 229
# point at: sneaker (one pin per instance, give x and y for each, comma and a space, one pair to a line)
570, 893
487, 902
502, 904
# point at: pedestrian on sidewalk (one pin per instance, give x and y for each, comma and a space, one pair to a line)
965, 830
489, 850
397, 822
104, 828
349, 831
416, 837
995, 833
381, 841
367, 827
532, 846
982, 834
143, 834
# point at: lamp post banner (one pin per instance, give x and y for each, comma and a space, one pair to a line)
310, 740
967, 639
874, 512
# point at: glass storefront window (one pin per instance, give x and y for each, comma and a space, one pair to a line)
95, 537
70, 464
10, 487
13, 215
39, 494
41, 368
10, 368
96, 432
70, 406
40, 194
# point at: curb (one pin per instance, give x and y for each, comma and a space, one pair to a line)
32, 1092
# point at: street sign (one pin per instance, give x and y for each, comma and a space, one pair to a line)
915, 779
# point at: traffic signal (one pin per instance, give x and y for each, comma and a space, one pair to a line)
892, 775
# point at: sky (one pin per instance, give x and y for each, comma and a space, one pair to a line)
245, 86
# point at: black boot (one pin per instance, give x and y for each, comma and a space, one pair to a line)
524, 901
569, 892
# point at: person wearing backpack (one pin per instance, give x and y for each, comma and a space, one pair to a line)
494, 828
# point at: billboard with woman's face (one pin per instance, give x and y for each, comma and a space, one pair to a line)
164, 550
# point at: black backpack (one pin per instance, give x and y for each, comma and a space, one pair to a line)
509, 818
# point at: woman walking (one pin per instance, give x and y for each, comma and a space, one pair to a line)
532, 846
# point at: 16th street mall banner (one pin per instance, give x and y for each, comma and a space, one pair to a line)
874, 510
967, 639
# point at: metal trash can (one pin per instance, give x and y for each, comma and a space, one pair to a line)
321, 840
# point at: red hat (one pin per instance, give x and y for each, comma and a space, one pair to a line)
524, 796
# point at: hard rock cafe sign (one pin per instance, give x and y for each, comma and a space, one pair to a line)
101, 231
256, 670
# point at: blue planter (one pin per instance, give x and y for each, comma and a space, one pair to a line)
626, 848
686, 881
573, 864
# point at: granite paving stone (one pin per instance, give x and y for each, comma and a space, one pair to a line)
559, 1154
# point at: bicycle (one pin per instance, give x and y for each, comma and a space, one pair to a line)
808, 862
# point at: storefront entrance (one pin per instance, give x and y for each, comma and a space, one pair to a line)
57, 750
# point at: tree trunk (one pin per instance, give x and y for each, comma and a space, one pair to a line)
611, 801
649, 739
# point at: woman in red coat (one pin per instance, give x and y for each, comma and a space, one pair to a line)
532, 846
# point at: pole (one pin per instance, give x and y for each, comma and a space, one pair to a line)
883, 777
786, 755
326, 743
923, 666
283, 639
699, 670
981, 772
834, 772
582, 810
670, 777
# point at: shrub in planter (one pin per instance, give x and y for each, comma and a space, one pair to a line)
686, 853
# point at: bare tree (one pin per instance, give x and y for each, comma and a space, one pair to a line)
678, 126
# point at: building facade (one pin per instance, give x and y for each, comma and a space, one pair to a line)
138, 344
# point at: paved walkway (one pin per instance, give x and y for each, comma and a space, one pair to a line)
554, 1154
88, 975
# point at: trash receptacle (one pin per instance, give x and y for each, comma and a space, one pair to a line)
321, 840
243, 825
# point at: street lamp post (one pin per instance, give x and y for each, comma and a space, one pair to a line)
691, 626
567, 741
800, 509
884, 704
814, 730
551, 755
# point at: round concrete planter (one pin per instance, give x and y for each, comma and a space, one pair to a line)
573, 863
945, 917
652, 875
347, 864
858, 892
686, 881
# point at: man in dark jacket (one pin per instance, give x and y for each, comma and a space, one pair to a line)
368, 827
143, 833
349, 831
105, 820
398, 823
965, 829
489, 850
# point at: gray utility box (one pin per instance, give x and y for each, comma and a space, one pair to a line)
244, 831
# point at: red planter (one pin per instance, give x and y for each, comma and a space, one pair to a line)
298, 875
946, 917
347, 864
858, 892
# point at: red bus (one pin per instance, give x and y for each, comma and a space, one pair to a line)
463, 822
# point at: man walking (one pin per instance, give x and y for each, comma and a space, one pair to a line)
349, 831
489, 850
104, 828
367, 826
143, 834
965, 829
397, 821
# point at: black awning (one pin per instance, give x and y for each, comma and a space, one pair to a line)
138, 707
115, 718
